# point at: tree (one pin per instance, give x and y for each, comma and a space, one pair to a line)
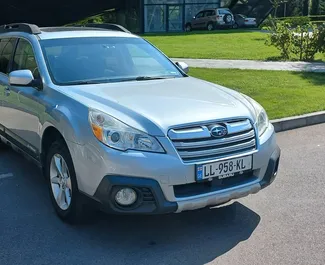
305, 8
275, 4
315, 5
322, 7
294, 8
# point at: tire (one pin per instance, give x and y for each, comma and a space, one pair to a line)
70, 210
235, 26
188, 27
227, 18
210, 26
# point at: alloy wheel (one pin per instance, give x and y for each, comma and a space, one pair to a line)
60, 182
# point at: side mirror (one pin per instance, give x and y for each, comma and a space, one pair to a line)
21, 78
183, 66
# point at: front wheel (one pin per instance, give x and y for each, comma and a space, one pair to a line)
188, 28
62, 183
235, 26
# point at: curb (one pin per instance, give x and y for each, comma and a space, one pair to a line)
295, 122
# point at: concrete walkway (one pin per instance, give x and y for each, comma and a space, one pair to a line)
254, 65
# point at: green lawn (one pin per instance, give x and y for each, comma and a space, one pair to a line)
222, 44
281, 93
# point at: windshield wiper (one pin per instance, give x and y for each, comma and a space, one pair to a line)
143, 78
114, 80
88, 82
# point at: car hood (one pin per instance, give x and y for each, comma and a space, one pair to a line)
157, 105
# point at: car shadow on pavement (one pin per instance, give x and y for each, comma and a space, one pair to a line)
29, 223
195, 237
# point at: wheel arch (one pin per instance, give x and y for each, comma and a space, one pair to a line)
210, 22
49, 136
61, 123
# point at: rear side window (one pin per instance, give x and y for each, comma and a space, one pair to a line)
7, 47
24, 58
209, 13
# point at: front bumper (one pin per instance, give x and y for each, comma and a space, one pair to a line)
162, 174
153, 201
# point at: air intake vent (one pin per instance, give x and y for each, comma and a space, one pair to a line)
147, 195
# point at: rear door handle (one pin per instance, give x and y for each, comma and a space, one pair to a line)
7, 91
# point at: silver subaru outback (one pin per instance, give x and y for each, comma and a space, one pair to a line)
114, 123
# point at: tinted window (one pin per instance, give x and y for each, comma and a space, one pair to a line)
103, 60
6, 50
24, 58
209, 13
239, 17
199, 15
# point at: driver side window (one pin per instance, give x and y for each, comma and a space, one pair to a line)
199, 15
24, 58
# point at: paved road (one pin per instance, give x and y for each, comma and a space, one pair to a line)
254, 65
284, 224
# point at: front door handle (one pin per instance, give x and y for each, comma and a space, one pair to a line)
7, 91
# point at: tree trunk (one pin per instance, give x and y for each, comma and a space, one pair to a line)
315, 7
301, 49
275, 11
305, 7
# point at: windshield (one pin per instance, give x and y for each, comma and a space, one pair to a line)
105, 59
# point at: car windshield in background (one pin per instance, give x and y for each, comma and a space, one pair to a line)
105, 59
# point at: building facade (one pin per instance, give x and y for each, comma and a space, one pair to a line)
138, 16
172, 15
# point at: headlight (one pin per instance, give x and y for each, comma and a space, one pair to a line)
118, 135
262, 120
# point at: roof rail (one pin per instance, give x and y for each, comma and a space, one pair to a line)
107, 26
20, 27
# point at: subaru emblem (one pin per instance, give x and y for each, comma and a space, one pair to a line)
218, 131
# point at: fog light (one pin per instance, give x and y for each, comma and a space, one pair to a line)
126, 196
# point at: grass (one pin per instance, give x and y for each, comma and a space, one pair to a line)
222, 44
281, 93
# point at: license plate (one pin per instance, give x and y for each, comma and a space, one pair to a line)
224, 169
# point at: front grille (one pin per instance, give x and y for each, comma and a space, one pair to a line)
195, 143
197, 188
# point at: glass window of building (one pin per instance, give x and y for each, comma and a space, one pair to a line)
172, 15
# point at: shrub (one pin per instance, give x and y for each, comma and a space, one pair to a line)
282, 39
303, 41
267, 23
321, 38
297, 21
308, 41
